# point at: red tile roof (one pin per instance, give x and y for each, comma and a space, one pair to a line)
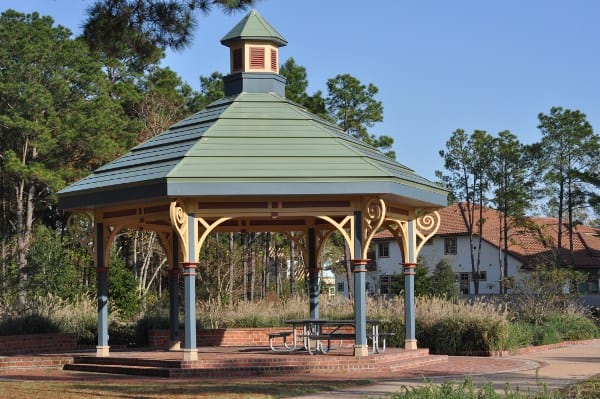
535, 240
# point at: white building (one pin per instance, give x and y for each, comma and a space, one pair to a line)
452, 243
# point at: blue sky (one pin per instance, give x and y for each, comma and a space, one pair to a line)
439, 65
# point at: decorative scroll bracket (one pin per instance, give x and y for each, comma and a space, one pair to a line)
207, 229
374, 212
346, 223
179, 221
426, 226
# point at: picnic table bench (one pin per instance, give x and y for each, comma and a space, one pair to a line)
319, 335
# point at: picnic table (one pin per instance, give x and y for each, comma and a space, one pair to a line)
323, 335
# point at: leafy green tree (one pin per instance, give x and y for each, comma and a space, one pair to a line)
296, 86
512, 189
57, 120
468, 161
422, 278
443, 280
543, 290
296, 80
138, 31
56, 265
354, 108
211, 88
123, 288
570, 160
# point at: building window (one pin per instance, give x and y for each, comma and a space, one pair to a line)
383, 250
482, 276
390, 284
340, 286
464, 284
450, 246
385, 283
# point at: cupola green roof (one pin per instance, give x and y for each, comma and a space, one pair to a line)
253, 27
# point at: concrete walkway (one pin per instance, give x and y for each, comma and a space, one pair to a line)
553, 368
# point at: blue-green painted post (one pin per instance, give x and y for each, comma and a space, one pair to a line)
410, 339
313, 275
190, 352
359, 269
174, 342
102, 349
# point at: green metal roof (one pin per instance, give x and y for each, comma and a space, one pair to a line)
253, 27
250, 144
253, 142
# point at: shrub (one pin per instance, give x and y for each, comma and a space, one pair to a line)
33, 323
443, 280
559, 327
123, 294
467, 390
521, 335
450, 327
541, 291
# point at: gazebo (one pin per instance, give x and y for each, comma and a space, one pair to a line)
254, 161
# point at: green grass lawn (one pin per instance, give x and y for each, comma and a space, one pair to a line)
166, 389
230, 389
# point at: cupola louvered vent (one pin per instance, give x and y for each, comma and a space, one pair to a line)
237, 62
257, 57
274, 60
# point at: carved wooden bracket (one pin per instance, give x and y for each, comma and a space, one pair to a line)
373, 212
179, 221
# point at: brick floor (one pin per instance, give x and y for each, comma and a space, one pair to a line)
455, 366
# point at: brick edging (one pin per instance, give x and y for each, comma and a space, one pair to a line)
11, 345
533, 349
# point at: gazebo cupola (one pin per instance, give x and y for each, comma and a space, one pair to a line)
254, 57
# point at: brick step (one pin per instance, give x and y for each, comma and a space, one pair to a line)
267, 364
127, 361
119, 369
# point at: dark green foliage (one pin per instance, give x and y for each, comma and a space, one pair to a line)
422, 278
564, 327
569, 158
521, 335
541, 291
140, 30
467, 390
56, 263
296, 85
147, 323
354, 108
28, 324
123, 334
443, 280
397, 327
462, 335
123, 295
